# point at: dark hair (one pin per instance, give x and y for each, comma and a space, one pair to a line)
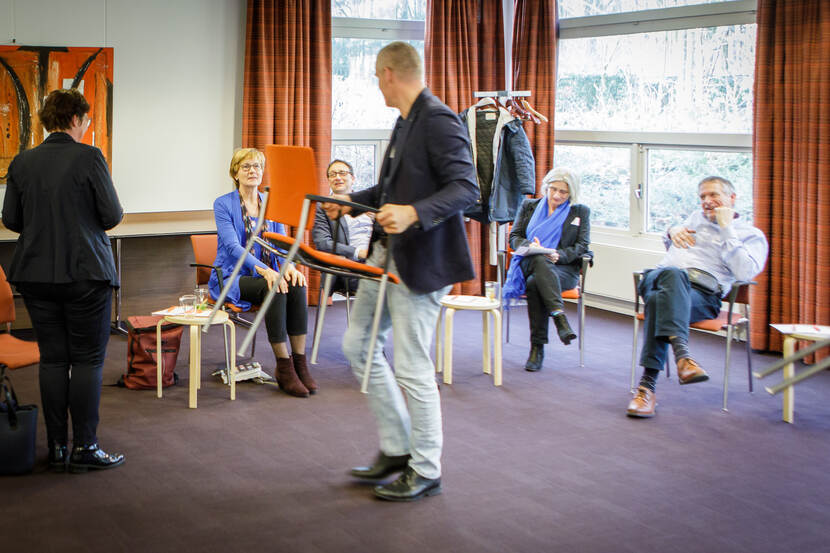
60, 106
346, 163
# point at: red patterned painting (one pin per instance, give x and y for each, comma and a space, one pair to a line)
29, 73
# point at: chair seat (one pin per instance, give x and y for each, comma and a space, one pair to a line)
323, 260
236, 309
712, 325
572, 294
16, 353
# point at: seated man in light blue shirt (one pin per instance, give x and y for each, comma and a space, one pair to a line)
714, 240
354, 232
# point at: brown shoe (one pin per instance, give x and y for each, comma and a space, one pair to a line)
643, 405
301, 367
287, 378
689, 372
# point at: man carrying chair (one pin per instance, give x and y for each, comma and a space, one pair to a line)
426, 181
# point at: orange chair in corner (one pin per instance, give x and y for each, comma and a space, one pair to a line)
291, 193
14, 352
204, 254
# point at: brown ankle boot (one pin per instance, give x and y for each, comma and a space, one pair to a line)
287, 378
301, 367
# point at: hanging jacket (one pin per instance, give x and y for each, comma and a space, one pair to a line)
514, 171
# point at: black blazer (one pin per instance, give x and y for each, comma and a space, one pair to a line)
60, 198
322, 234
576, 235
433, 171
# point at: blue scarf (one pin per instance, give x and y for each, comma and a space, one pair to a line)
548, 229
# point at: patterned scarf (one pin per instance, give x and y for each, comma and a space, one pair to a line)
265, 255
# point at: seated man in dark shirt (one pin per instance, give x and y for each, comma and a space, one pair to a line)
354, 233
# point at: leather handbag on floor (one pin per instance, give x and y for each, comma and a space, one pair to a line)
142, 354
18, 430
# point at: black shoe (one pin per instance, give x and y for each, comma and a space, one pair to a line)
534, 360
58, 457
383, 466
92, 457
410, 486
566, 334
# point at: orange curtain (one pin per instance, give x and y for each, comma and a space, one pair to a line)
464, 52
791, 154
534, 69
287, 87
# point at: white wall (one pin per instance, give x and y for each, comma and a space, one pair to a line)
177, 91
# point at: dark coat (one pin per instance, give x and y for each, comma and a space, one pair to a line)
575, 237
322, 234
432, 171
60, 198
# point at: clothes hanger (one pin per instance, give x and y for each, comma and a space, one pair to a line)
532, 111
487, 103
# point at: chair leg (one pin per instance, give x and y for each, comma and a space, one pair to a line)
507, 323
634, 352
580, 307
748, 356
321, 313
729, 332
364, 386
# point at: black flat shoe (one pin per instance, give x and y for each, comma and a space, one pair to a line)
91, 457
58, 456
534, 360
566, 334
410, 486
383, 466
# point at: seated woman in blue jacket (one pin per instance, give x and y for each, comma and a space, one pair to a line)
236, 217
557, 222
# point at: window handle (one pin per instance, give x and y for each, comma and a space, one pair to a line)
638, 192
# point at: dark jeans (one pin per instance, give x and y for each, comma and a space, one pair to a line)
671, 305
72, 323
545, 282
288, 313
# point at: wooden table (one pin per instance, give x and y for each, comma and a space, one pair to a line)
489, 308
196, 323
818, 334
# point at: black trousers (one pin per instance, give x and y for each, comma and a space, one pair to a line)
72, 323
545, 282
287, 314
339, 285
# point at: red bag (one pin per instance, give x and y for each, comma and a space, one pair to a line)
142, 355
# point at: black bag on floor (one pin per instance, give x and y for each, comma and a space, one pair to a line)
18, 430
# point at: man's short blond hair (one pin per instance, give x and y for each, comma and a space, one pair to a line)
401, 58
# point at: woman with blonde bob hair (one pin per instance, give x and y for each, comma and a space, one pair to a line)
236, 218
559, 224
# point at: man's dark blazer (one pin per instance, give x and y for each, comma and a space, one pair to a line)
576, 235
60, 198
431, 170
322, 234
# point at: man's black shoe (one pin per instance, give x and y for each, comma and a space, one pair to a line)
383, 466
410, 486
534, 360
91, 457
566, 334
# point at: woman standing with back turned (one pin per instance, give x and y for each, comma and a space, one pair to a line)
60, 198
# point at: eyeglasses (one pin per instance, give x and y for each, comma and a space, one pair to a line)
249, 166
339, 174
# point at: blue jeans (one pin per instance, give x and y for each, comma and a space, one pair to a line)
411, 317
671, 304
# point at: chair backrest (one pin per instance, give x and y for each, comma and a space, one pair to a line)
291, 175
7, 313
204, 253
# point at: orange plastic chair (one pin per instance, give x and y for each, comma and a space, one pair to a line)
14, 352
204, 254
728, 320
289, 199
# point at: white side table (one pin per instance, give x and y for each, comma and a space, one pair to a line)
489, 308
791, 336
195, 323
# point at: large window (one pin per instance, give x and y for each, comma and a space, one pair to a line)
649, 102
361, 121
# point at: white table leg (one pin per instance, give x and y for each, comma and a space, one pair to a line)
496, 347
788, 395
448, 317
194, 365
485, 332
158, 358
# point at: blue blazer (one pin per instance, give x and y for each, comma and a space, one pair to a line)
230, 229
433, 172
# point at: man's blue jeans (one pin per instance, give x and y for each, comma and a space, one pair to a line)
671, 304
411, 317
